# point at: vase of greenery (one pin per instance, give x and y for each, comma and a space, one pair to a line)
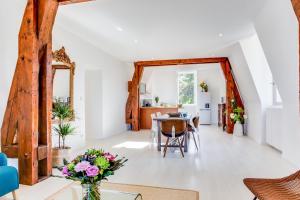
238, 117
156, 99
90, 169
62, 113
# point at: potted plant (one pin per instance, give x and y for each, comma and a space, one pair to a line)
63, 113
90, 169
204, 86
156, 99
238, 117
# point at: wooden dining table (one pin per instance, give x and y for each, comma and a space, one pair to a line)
161, 118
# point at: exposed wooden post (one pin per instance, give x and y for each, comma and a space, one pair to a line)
26, 128
132, 106
232, 92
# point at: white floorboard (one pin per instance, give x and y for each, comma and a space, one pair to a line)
216, 170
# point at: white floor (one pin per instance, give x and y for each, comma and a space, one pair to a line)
216, 170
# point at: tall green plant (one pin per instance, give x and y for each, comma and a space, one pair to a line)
63, 113
63, 131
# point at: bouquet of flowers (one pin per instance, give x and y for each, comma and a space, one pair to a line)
204, 86
238, 114
90, 168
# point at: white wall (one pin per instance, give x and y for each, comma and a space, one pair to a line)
10, 21
114, 81
259, 69
277, 28
86, 56
93, 96
163, 83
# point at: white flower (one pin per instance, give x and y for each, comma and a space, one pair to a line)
245, 116
232, 100
232, 115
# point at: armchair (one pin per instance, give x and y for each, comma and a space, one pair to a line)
9, 178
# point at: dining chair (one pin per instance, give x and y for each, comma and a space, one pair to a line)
177, 136
193, 129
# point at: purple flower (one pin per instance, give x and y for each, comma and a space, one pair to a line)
65, 171
109, 156
92, 171
82, 166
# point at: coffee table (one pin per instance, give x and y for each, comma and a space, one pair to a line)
74, 192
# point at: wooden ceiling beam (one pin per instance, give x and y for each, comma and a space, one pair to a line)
66, 2
189, 61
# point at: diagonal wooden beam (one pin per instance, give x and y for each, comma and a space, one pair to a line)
66, 2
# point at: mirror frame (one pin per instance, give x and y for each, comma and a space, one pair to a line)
61, 61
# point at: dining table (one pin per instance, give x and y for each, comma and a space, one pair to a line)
166, 117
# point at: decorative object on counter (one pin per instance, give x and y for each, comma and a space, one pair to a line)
238, 117
204, 86
180, 105
156, 99
184, 114
90, 169
147, 102
62, 112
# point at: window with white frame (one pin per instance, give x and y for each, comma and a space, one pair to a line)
187, 88
276, 95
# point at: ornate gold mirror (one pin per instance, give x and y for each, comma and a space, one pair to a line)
63, 78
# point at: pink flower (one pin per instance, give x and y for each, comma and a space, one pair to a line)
82, 166
92, 171
65, 171
109, 156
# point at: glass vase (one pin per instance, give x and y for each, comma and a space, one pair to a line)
91, 191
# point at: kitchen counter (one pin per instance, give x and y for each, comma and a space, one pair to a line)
145, 114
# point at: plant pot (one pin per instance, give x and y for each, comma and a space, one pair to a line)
238, 129
58, 156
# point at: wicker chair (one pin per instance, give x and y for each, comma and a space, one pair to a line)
180, 130
287, 188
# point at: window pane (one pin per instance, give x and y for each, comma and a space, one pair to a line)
186, 88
